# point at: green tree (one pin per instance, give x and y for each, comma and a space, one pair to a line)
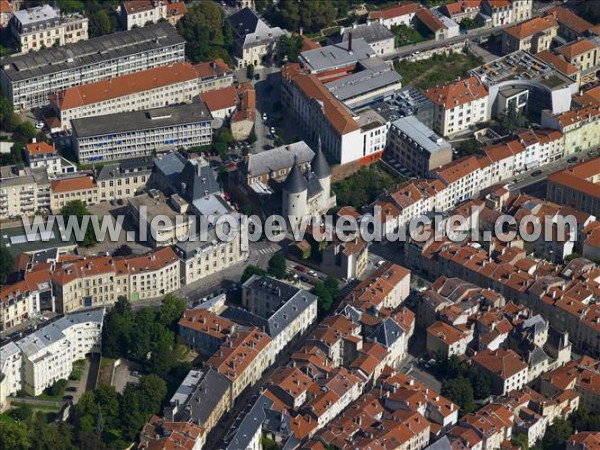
460, 391
7, 263
27, 130
14, 436
7, 114
512, 119
108, 399
119, 324
101, 23
250, 71
207, 33
469, 147
277, 266
252, 270
333, 286
22, 413
78, 209
291, 46
324, 298
521, 440
557, 434
481, 382
468, 24
171, 310
57, 389
152, 390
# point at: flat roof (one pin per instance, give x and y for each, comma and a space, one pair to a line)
91, 51
362, 82
141, 120
421, 134
18, 241
523, 66
337, 55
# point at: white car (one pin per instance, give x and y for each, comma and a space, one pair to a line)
264, 116
312, 273
39, 125
380, 263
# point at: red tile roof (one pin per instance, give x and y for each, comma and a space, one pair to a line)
577, 48
430, 20
40, 148
220, 99
457, 93
569, 19
394, 11
146, 80
531, 27
80, 183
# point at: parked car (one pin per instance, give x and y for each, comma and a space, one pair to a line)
312, 273
39, 125
380, 263
68, 398
300, 268
264, 116
71, 389
572, 159
536, 173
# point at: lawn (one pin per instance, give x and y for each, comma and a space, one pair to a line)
406, 35
436, 70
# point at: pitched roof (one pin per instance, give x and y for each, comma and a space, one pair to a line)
532, 27
452, 9
457, 93
569, 19
40, 148
212, 69
503, 363
558, 62
577, 48
80, 183
456, 170
430, 20
446, 333
394, 11
176, 8
576, 177
132, 83
220, 99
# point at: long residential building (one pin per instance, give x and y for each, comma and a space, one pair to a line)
38, 360
141, 133
27, 80
153, 88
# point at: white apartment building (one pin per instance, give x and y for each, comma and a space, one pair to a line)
41, 155
11, 365
153, 88
139, 13
395, 15
459, 105
47, 355
27, 80
504, 12
506, 369
141, 133
23, 191
45, 27
463, 178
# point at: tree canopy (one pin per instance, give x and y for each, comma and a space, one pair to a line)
291, 46
277, 266
7, 263
78, 209
460, 391
207, 33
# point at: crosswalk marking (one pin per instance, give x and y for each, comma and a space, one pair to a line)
266, 251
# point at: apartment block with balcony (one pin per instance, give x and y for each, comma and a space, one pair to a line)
23, 191
28, 80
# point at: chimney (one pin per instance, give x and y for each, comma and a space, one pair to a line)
350, 41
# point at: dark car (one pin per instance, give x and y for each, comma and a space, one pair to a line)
68, 398
71, 389
304, 278
300, 268
536, 173
572, 160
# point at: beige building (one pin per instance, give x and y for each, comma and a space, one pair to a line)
123, 179
534, 36
506, 369
583, 54
459, 105
136, 14
243, 359
78, 187
445, 340
44, 27
164, 219
23, 191
153, 275
154, 88
14, 304
213, 75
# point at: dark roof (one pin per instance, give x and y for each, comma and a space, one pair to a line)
243, 22
149, 119
90, 52
240, 437
387, 333
314, 186
197, 181
125, 167
170, 166
371, 33
319, 164
295, 181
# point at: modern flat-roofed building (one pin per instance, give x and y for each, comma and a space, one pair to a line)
44, 27
141, 133
417, 147
153, 88
27, 80
511, 76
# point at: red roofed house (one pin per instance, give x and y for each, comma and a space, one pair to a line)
438, 25
506, 369
585, 440
42, 154
153, 88
458, 105
5, 13
534, 36
81, 187
137, 13
465, 9
222, 102
395, 15
577, 186
504, 12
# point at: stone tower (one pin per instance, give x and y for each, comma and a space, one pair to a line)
294, 196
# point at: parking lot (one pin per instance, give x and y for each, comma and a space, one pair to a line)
125, 372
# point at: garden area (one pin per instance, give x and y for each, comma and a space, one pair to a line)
437, 70
364, 186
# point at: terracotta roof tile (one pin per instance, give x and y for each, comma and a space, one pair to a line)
457, 93
40, 148
394, 11
577, 48
80, 183
531, 27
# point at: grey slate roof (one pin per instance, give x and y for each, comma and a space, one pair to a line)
375, 32
125, 167
337, 55
536, 323
314, 186
362, 82
293, 301
170, 166
197, 396
91, 51
250, 30
387, 333
54, 331
198, 180
537, 356
295, 181
240, 437
442, 444
319, 164
149, 119
278, 158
